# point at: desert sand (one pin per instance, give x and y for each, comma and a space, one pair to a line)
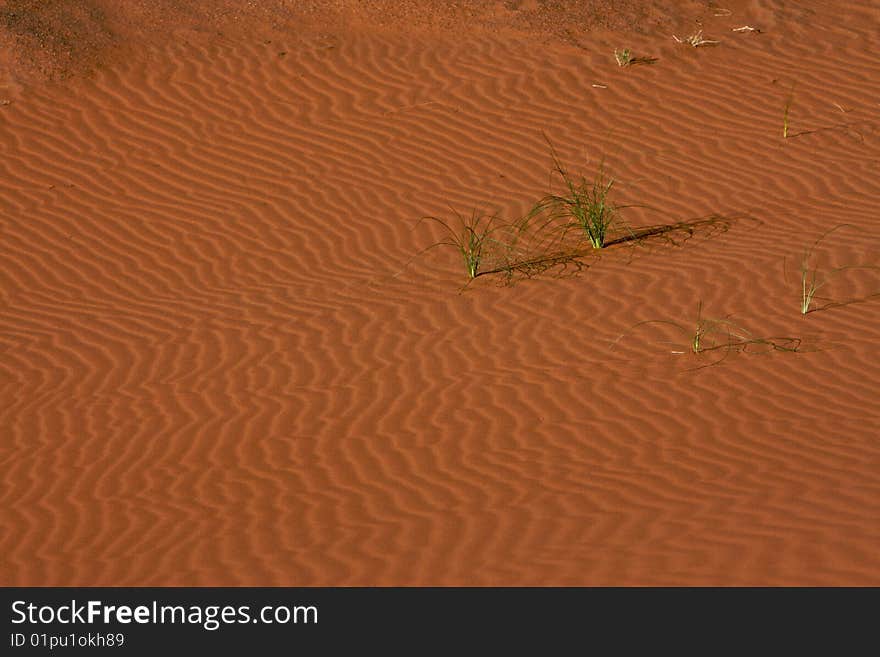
225, 358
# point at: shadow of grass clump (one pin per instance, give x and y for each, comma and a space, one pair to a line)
677, 233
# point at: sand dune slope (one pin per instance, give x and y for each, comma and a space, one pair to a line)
224, 360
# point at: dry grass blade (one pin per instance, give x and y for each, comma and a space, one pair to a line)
714, 334
696, 40
786, 112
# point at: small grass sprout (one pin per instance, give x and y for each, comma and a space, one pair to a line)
624, 57
703, 334
705, 329
812, 279
713, 334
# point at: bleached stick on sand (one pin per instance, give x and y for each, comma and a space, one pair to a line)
696, 40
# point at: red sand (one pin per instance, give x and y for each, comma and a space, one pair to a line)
218, 368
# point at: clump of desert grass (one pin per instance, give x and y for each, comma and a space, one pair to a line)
472, 236
565, 230
486, 244
583, 204
813, 278
708, 335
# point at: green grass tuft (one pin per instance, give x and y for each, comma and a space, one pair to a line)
583, 204
812, 278
471, 238
623, 57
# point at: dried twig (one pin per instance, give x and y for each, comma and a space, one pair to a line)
696, 40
